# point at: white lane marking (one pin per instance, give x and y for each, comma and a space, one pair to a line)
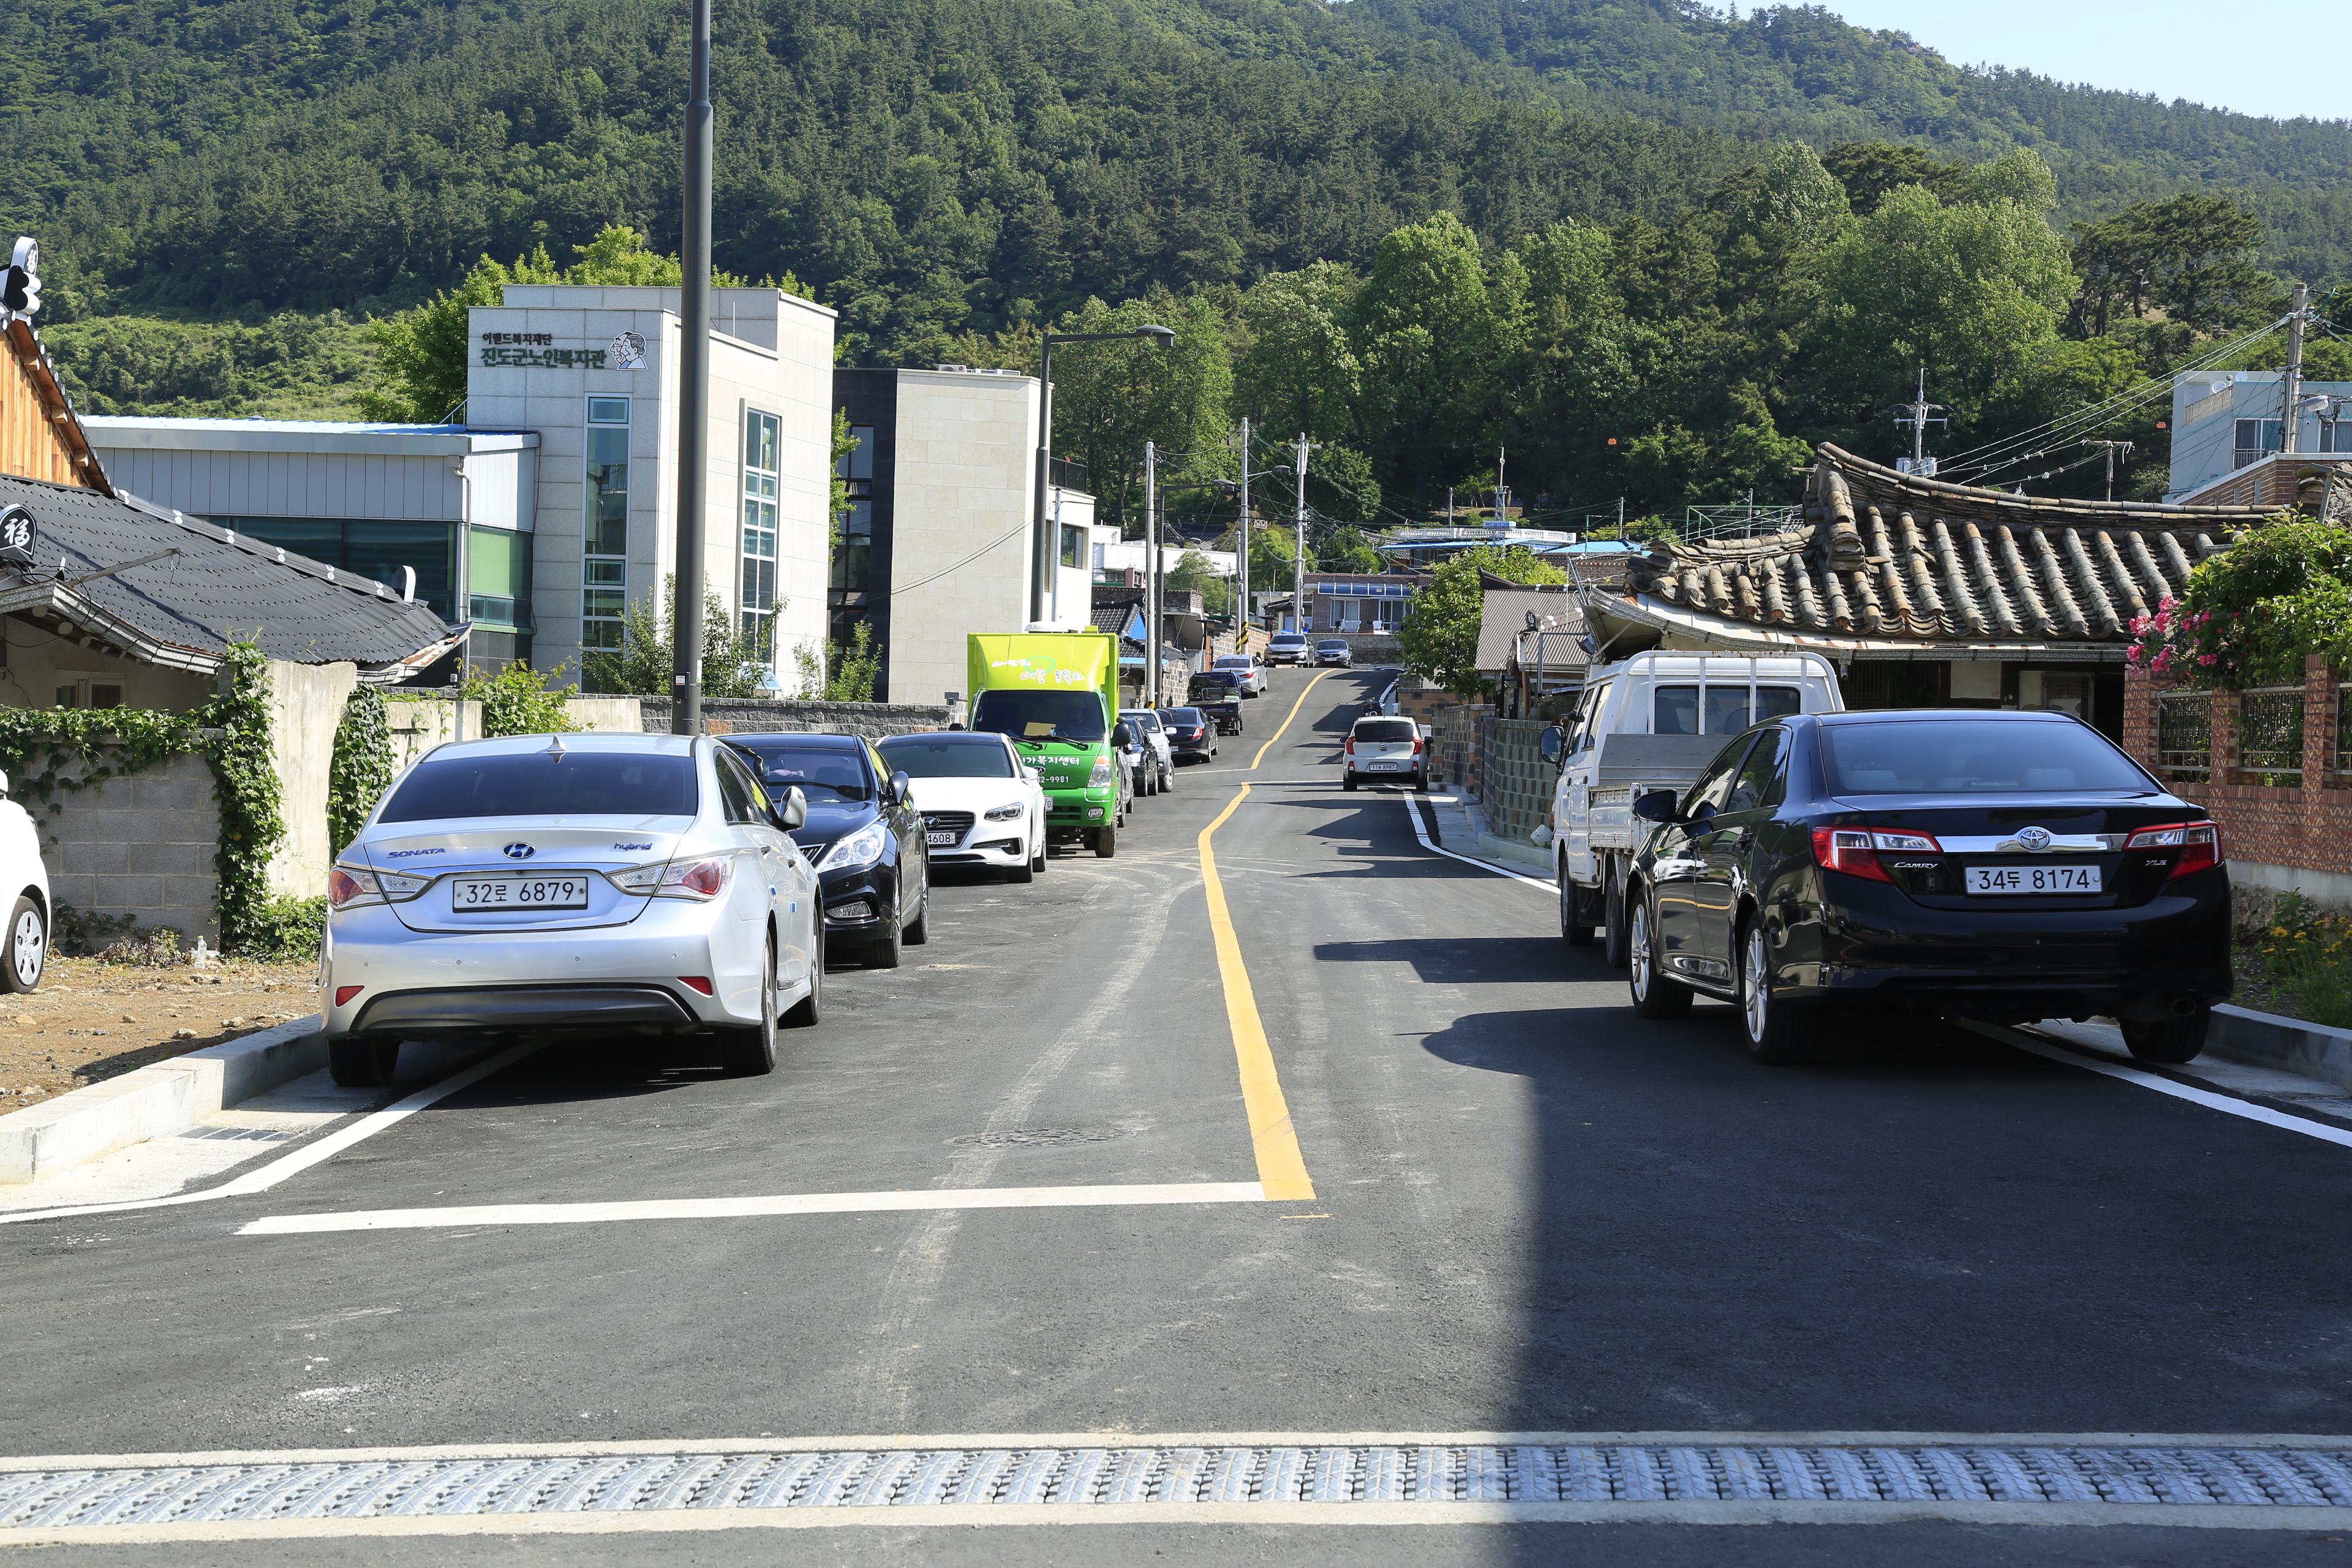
786, 1203
264, 1177
2338, 1136
970, 1516
1412, 812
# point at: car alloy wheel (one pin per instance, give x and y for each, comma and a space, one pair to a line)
1655, 995
28, 946
1780, 1033
752, 1052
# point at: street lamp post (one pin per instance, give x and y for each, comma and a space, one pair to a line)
1048, 554
693, 385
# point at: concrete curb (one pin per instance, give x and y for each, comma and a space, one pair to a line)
1493, 848
2265, 1039
150, 1101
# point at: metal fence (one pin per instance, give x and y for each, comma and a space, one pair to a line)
2269, 734
2184, 735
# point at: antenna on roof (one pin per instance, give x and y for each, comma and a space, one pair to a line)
556, 747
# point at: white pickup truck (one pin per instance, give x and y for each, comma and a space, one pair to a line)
1652, 722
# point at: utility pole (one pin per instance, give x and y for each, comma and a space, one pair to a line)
1449, 506
1241, 643
1150, 576
1298, 565
1914, 414
2293, 388
1501, 491
2113, 447
694, 385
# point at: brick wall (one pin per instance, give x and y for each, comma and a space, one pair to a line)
2306, 828
141, 846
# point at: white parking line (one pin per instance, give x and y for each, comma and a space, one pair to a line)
264, 1177
1413, 813
2042, 1047
741, 1208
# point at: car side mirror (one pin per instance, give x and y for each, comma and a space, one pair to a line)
1032, 775
792, 812
1658, 805
902, 788
1120, 735
955, 726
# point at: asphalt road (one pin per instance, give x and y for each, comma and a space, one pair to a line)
1532, 1212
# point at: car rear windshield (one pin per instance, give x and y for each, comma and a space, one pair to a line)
1039, 715
939, 757
545, 784
1972, 756
833, 770
1180, 715
1384, 729
1233, 661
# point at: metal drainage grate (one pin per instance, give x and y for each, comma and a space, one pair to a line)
916, 1477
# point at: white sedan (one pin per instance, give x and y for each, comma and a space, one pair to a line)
981, 803
25, 881
607, 884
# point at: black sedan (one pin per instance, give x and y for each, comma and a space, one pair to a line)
862, 835
2002, 867
1189, 733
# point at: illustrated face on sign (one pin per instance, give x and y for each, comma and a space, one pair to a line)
628, 352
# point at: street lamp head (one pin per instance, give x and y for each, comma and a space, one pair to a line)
1162, 337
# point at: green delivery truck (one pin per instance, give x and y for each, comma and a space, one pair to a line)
1056, 694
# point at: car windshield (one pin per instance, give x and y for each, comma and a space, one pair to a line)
1331, 647
1383, 730
1978, 756
946, 757
831, 770
1039, 715
545, 784
1288, 639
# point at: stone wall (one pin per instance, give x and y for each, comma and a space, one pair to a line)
141, 846
771, 715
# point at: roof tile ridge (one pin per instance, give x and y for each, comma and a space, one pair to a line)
2054, 579
2005, 618
2110, 623
1959, 599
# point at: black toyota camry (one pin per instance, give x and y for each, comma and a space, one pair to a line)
2002, 867
863, 832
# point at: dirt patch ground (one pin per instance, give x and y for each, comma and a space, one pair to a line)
91, 1021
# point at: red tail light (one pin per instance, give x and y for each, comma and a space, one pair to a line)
1352, 745
2199, 844
1855, 850
705, 878
1416, 745
345, 888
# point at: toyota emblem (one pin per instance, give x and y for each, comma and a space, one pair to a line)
524, 851
2027, 837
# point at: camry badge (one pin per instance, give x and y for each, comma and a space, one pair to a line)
524, 851
2034, 837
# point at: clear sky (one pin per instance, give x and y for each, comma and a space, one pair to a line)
2168, 48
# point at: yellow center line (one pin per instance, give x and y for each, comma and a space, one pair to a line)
1286, 718
1281, 1167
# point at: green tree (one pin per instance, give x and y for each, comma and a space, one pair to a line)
1298, 372
1440, 633
2191, 256
517, 700
1111, 397
1192, 573
646, 661
1431, 325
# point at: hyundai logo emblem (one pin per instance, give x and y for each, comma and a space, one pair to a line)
2030, 837
524, 851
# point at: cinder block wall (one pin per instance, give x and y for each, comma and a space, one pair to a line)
751, 716
1515, 782
141, 846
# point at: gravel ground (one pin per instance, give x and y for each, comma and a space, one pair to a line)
91, 1021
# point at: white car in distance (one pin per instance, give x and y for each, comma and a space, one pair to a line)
1382, 749
595, 885
1145, 722
981, 803
1246, 666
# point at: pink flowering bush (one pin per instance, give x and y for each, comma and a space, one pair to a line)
2282, 589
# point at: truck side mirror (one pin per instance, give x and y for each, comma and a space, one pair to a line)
1549, 745
791, 812
1658, 805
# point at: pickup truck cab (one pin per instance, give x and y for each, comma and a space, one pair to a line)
1648, 722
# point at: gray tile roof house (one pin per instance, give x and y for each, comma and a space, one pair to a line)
1890, 566
100, 577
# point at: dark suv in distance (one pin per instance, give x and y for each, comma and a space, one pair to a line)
2003, 867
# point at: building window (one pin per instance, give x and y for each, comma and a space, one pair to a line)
2257, 439
1074, 546
604, 568
762, 437
372, 547
853, 559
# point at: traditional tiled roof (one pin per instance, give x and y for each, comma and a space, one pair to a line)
88, 582
1891, 558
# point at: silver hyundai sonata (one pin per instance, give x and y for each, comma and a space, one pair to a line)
604, 884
